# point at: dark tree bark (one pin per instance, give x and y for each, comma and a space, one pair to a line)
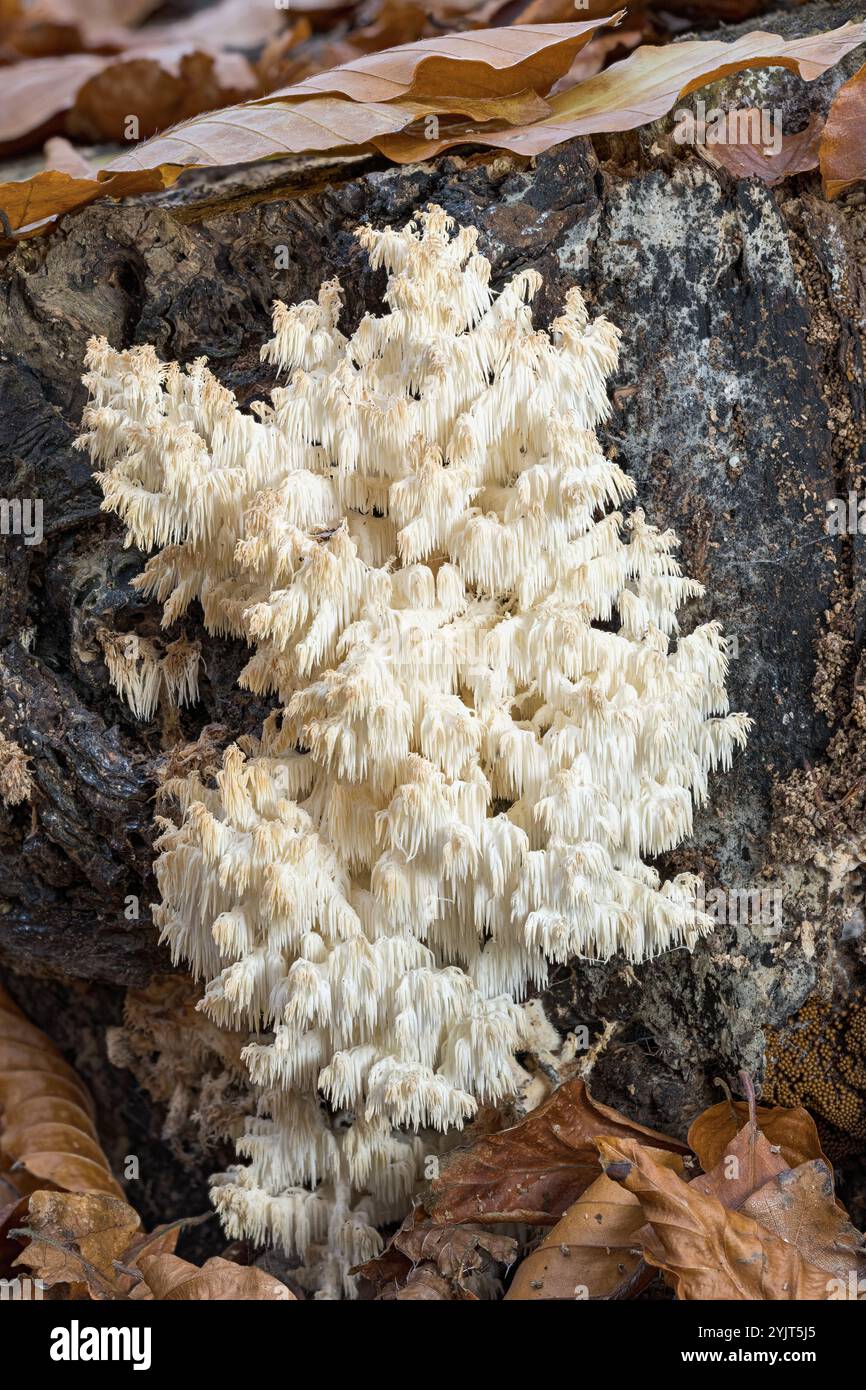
738, 409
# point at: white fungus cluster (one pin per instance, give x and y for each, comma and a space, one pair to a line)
488, 719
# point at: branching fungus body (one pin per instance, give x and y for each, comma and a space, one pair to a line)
489, 721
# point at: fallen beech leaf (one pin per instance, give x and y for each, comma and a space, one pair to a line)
76, 1238
431, 78
29, 203
425, 1285
36, 92
229, 24
792, 1131
799, 1206
94, 95
593, 1251
160, 85
161, 1241
749, 1161
65, 158
707, 1250
46, 1114
480, 63
53, 27
749, 158
842, 153
534, 1171
450, 1247
452, 1253
277, 64
594, 57
445, 73
642, 88
170, 1277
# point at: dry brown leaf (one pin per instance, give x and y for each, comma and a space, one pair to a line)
168, 1277
431, 78
160, 86
842, 152
792, 1131
547, 11
749, 158
281, 64
445, 73
481, 63
278, 64
46, 1114
92, 96
451, 1254
30, 203
534, 1171
228, 24
708, 1251
425, 1285
36, 92
451, 1248
799, 1206
76, 1239
749, 1161
642, 88
54, 27
319, 7
595, 56
593, 1251
66, 159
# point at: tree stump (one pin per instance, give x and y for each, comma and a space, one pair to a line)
738, 410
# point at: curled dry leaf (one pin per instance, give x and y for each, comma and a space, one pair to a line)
381, 93
479, 64
534, 1171
792, 1131
641, 89
745, 154
170, 1277
387, 91
27, 204
842, 152
76, 1239
48, 1136
594, 1251
706, 1250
